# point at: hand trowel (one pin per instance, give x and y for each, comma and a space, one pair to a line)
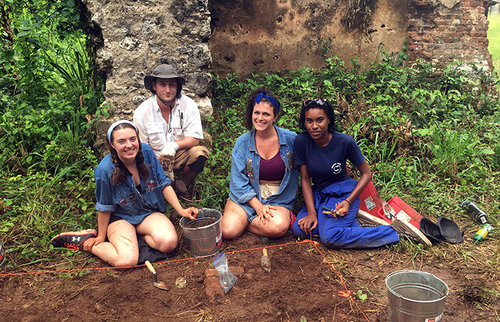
264, 261
157, 283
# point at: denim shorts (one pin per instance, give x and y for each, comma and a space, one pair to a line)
114, 218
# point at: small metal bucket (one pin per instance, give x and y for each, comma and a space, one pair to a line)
415, 296
203, 235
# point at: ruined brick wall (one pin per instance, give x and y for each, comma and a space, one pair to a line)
441, 31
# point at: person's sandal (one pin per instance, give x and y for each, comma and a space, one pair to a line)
366, 220
450, 231
431, 230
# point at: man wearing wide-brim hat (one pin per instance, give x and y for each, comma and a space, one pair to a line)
170, 123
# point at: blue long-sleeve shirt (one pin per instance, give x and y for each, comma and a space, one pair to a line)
124, 200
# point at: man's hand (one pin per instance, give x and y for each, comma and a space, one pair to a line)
167, 158
170, 149
167, 163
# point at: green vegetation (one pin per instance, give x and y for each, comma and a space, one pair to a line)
430, 134
426, 137
49, 96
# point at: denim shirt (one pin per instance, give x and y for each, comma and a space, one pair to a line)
244, 184
124, 200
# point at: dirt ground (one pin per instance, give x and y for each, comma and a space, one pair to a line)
303, 285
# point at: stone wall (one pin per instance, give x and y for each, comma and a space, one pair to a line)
446, 30
279, 34
133, 37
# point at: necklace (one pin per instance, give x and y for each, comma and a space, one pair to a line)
169, 122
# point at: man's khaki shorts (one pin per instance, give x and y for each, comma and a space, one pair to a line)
187, 157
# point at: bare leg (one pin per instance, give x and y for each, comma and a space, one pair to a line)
234, 221
276, 227
159, 233
122, 248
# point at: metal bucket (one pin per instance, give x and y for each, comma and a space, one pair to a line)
203, 235
415, 296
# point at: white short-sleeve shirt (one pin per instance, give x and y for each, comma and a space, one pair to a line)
184, 121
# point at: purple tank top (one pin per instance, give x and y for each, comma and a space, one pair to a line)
272, 169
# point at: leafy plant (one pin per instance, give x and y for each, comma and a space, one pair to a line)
362, 296
456, 152
49, 96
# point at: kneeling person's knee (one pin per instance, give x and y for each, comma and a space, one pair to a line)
167, 243
278, 230
124, 260
198, 165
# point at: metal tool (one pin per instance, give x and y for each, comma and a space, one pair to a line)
157, 283
332, 212
264, 261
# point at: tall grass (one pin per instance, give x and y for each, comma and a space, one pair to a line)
49, 94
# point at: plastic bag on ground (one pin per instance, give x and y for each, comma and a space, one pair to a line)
227, 279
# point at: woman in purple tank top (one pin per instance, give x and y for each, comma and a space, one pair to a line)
263, 179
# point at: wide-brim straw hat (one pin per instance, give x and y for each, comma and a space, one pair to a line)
162, 71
